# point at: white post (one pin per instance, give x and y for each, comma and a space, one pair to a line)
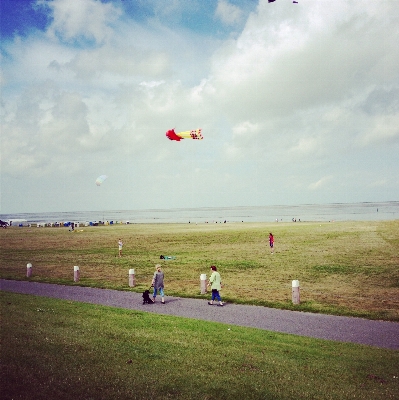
295, 292
203, 283
76, 273
132, 280
29, 270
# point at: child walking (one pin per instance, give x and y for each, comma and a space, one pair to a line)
271, 242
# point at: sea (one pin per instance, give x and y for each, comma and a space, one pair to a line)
372, 211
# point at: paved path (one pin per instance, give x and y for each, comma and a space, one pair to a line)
343, 329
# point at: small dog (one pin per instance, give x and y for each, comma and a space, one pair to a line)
146, 297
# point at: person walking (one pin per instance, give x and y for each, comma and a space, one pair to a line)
120, 245
157, 283
271, 242
215, 282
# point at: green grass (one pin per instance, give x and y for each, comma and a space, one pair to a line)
56, 349
344, 268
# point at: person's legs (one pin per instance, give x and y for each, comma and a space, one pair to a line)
161, 293
154, 295
218, 298
214, 296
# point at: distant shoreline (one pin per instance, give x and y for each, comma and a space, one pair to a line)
370, 211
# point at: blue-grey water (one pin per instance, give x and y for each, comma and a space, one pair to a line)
307, 212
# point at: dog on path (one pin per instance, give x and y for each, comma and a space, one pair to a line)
146, 297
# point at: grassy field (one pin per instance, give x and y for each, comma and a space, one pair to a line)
56, 349
344, 268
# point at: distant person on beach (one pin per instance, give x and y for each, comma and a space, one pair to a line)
271, 242
157, 283
215, 282
120, 245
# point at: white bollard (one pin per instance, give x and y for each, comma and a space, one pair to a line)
76, 273
132, 279
295, 292
29, 270
203, 283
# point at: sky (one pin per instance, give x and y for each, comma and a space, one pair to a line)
298, 103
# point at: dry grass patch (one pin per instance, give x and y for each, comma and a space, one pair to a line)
346, 268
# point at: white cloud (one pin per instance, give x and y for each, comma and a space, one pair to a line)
228, 13
81, 19
245, 128
278, 66
320, 183
382, 129
380, 183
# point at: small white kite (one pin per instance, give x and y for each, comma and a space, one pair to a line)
101, 179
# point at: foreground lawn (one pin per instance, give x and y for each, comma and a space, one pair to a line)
55, 349
345, 268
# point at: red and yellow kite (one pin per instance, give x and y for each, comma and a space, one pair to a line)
195, 134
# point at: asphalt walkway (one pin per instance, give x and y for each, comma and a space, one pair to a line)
382, 334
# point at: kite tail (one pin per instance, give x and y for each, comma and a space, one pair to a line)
194, 134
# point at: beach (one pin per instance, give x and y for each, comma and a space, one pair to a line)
367, 211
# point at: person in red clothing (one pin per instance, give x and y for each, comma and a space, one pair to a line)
271, 242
